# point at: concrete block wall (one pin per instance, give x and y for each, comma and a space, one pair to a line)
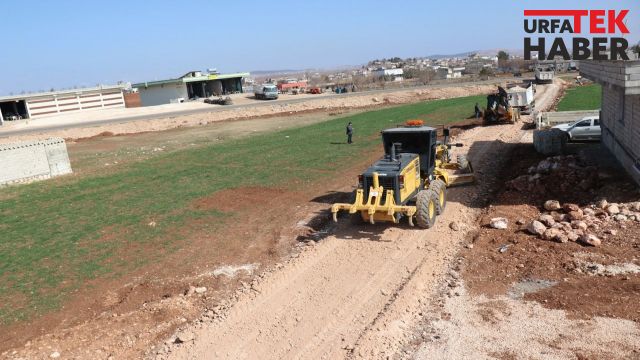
624, 74
620, 120
29, 161
621, 127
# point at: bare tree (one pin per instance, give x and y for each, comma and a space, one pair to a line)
503, 57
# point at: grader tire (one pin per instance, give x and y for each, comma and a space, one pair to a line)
440, 189
426, 204
463, 163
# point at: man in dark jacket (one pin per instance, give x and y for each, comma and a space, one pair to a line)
478, 112
349, 132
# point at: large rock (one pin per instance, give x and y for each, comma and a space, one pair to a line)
499, 223
552, 205
551, 234
544, 166
561, 238
602, 204
620, 217
570, 207
547, 220
536, 228
613, 209
572, 236
577, 224
590, 239
575, 215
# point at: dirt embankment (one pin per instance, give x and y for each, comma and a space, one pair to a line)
568, 291
265, 110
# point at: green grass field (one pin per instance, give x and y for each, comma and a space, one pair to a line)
58, 234
586, 97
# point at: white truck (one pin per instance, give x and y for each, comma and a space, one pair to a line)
544, 76
265, 91
522, 98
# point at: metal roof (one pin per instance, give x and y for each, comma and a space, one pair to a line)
187, 79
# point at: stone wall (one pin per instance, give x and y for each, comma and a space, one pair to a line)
33, 160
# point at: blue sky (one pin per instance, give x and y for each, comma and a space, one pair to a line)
82, 43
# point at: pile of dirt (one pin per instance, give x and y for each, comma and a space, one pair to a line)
564, 245
565, 176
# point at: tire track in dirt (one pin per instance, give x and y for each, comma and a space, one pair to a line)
360, 292
335, 300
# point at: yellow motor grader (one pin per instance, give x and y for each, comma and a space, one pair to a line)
410, 181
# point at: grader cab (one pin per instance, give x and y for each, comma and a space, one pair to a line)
410, 181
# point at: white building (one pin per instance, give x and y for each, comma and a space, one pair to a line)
193, 84
396, 74
31, 106
449, 72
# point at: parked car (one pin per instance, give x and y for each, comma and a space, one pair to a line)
587, 128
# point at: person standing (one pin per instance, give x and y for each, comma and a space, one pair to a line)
478, 112
349, 132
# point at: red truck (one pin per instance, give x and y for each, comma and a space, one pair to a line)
293, 86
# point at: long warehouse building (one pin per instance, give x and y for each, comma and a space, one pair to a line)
32, 106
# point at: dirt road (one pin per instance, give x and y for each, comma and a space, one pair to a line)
361, 291
356, 292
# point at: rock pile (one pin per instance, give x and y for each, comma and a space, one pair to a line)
557, 174
570, 222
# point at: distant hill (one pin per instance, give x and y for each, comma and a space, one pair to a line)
485, 52
275, 72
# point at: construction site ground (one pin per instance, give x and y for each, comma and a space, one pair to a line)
301, 286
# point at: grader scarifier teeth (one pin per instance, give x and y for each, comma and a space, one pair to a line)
373, 209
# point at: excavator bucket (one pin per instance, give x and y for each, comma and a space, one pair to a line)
373, 209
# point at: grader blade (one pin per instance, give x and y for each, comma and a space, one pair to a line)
373, 209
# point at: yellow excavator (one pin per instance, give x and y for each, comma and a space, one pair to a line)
410, 181
499, 110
